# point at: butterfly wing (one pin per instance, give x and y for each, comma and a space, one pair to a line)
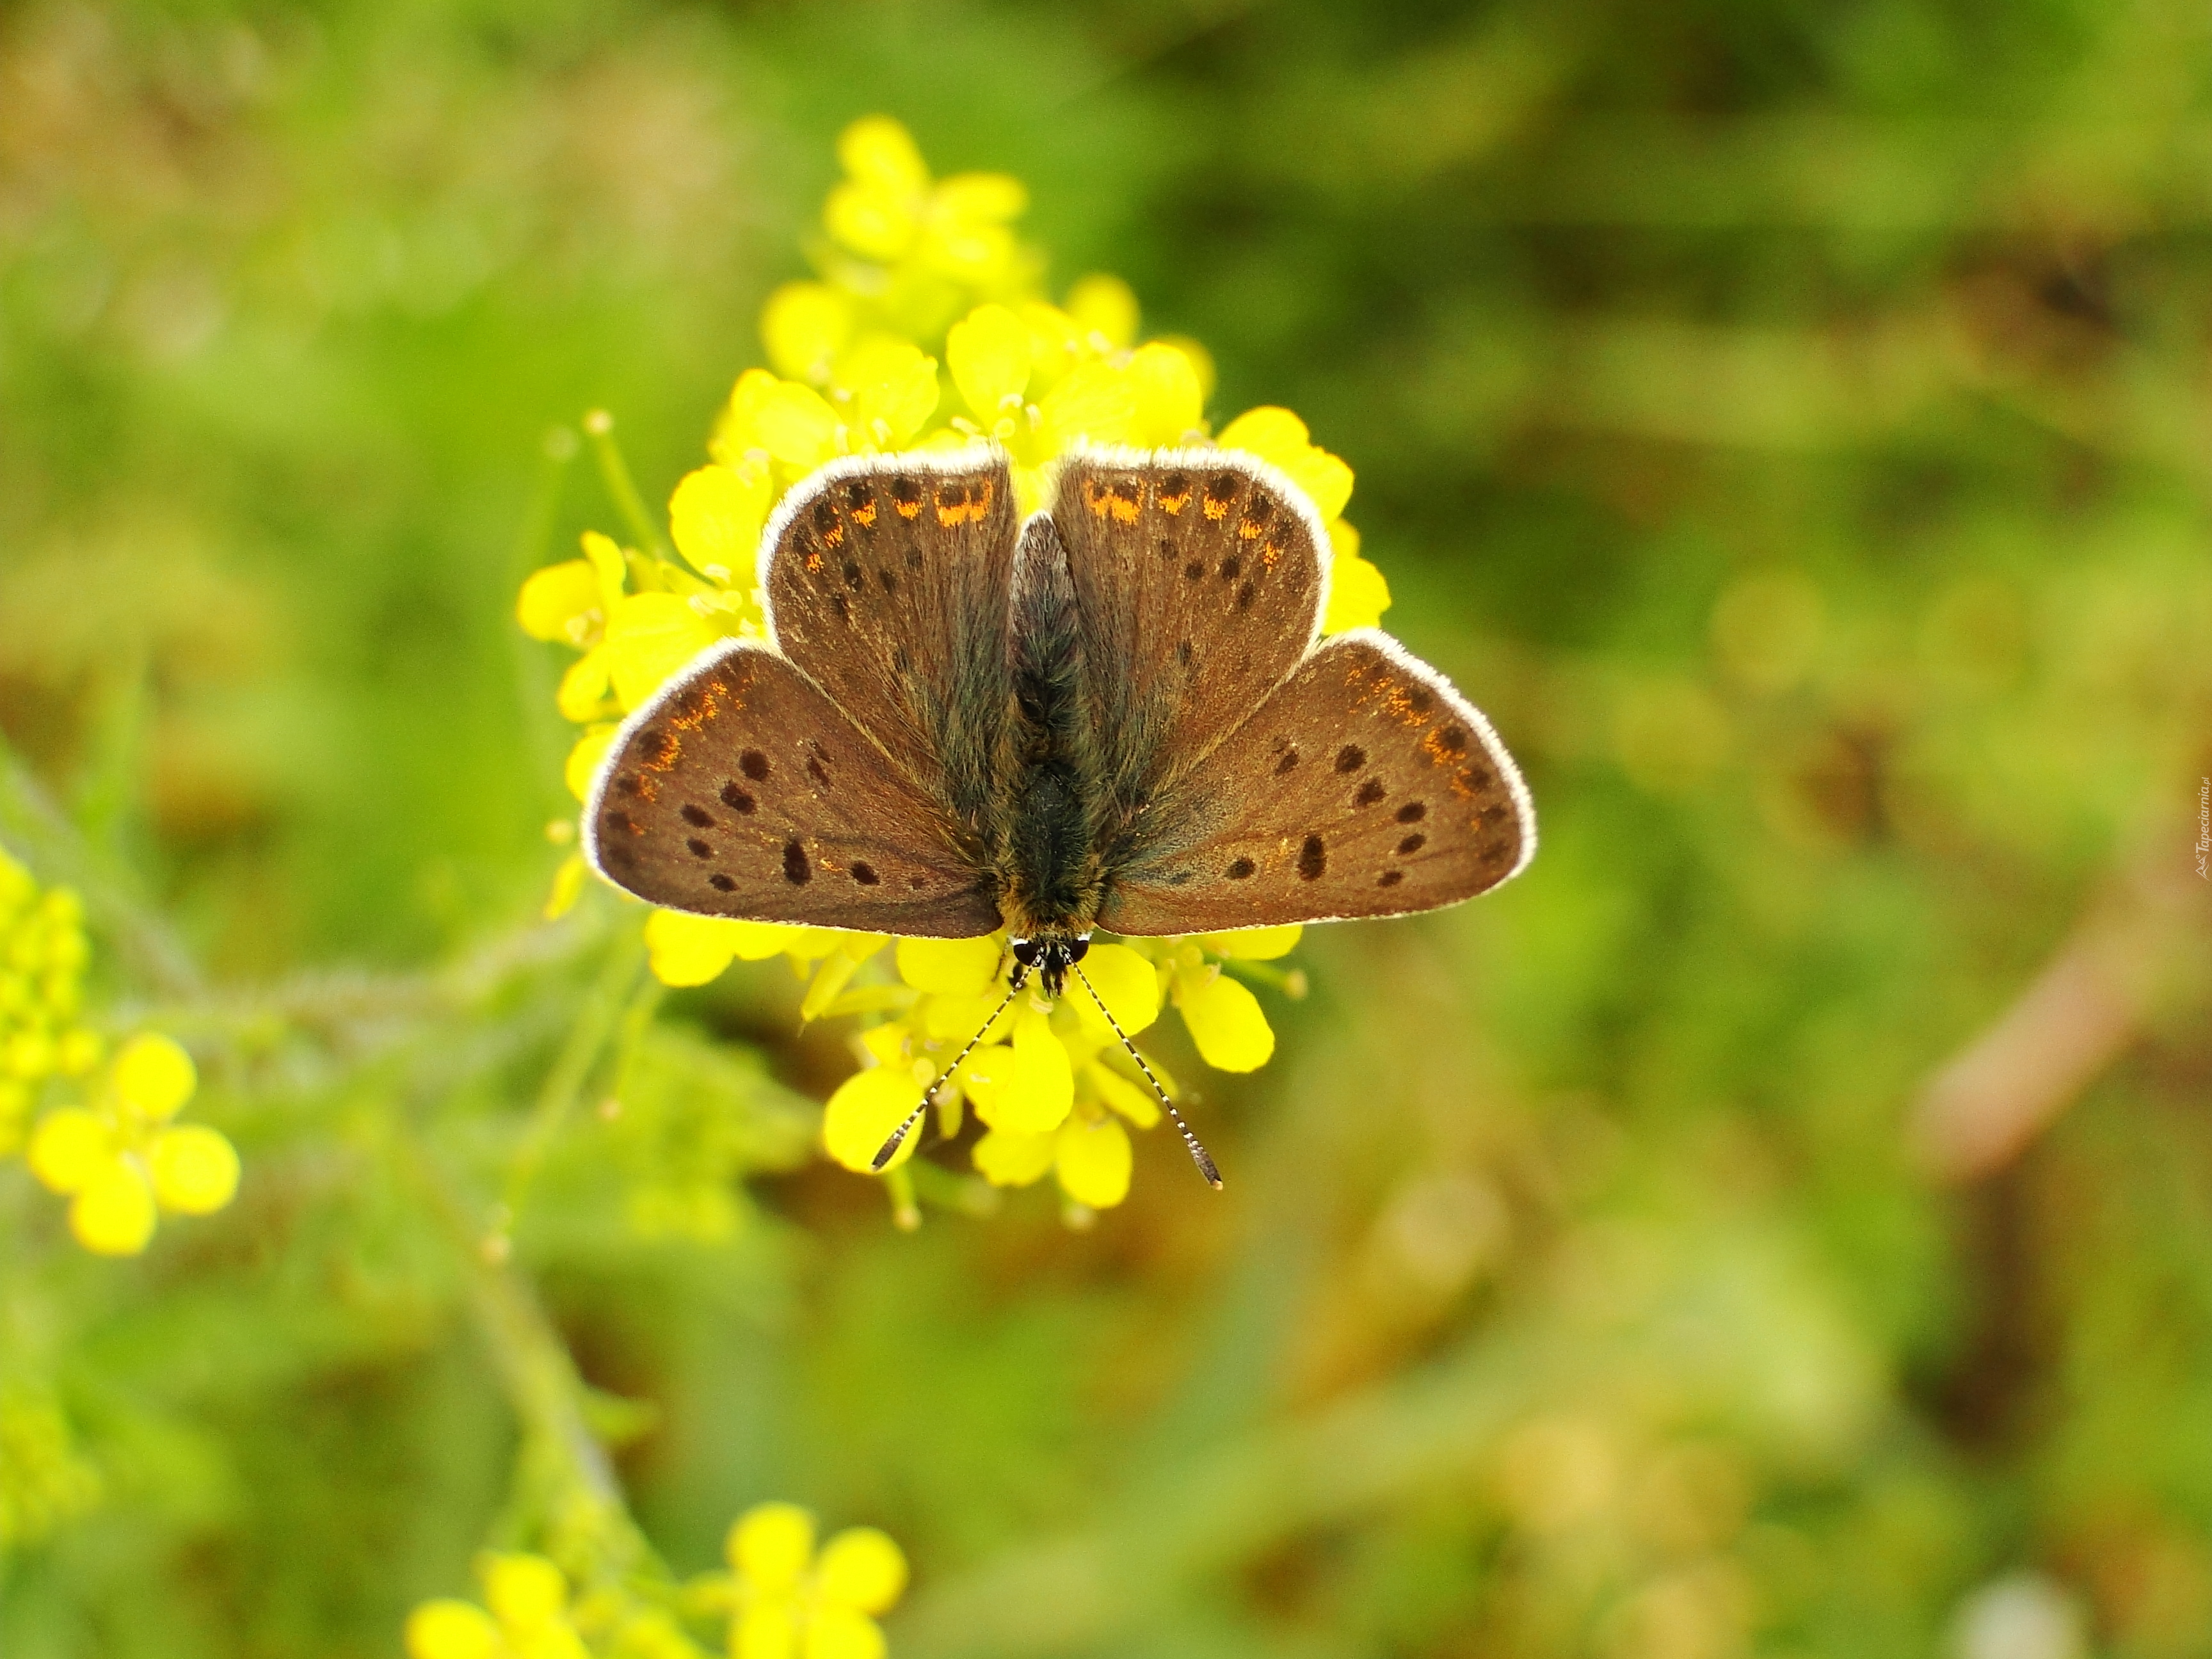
1199, 578
742, 790
1364, 786
887, 580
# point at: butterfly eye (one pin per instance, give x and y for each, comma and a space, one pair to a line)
1078, 947
1024, 950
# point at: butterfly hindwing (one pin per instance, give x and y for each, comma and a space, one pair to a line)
742, 790
1364, 786
887, 579
1199, 578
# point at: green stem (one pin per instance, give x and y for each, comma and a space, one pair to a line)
600, 426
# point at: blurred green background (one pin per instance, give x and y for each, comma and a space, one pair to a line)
1779, 1223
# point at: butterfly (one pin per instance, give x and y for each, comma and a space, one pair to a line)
1117, 714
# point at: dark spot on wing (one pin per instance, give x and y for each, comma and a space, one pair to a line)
1421, 700
721, 883
753, 764
1181, 878
856, 494
1232, 568
1454, 738
1221, 489
1240, 869
865, 873
905, 492
796, 870
1195, 571
826, 515
854, 579
1477, 777
1288, 760
914, 558
887, 581
1413, 811
698, 817
1370, 792
818, 772
737, 799
1492, 816
1246, 594
699, 849
659, 748
1389, 877
1412, 844
1351, 758
1313, 859
1167, 548
623, 822
1498, 852
630, 784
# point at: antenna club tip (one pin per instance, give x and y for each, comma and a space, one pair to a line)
1214, 1182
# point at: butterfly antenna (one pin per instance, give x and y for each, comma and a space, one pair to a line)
1197, 1152
890, 1147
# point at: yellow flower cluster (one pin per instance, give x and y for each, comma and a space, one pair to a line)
781, 1599
120, 1160
927, 328
42, 958
1049, 1082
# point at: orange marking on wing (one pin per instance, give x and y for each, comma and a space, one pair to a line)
1095, 499
908, 509
1249, 532
814, 562
1173, 504
834, 537
667, 749
864, 516
1216, 509
1125, 509
1270, 552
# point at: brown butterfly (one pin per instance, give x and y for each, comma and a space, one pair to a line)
1118, 715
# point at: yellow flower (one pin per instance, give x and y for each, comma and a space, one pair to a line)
530, 1616
788, 1602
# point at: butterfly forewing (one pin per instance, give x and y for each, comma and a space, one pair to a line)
1364, 786
887, 581
1198, 577
743, 791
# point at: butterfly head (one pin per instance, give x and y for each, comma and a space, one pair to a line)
1048, 956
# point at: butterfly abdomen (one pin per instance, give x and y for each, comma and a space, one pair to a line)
1049, 874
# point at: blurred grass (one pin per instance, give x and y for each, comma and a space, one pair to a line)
1790, 422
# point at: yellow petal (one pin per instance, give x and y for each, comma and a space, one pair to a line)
1124, 1096
988, 352
805, 325
714, 517
70, 1147
1254, 944
1055, 342
1202, 361
874, 222
1169, 404
980, 197
1094, 401
1092, 1161
584, 685
1042, 1090
688, 950
769, 1545
956, 1018
862, 1568
829, 982
568, 887
1129, 984
583, 763
1104, 305
1358, 595
153, 1076
524, 1591
195, 1169
649, 637
835, 1633
893, 384
558, 602
950, 967
795, 425
607, 559
877, 150
865, 1110
112, 1213
555, 1640
1006, 1157
447, 1629
767, 1629
1272, 434
1325, 478
1226, 1021
756, 941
